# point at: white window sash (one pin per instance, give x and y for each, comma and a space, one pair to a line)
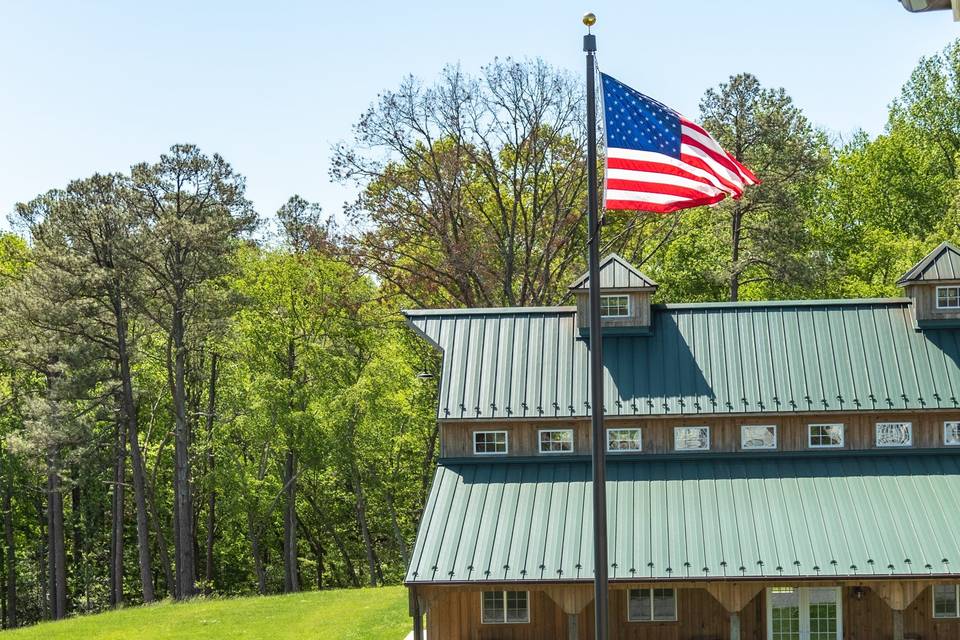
615, 315
649, 592
744, 428
540, 442
880, 425
956, 604
804, 603
950, 293
843, 436
948, 427
506, 443
678, 439
503, 601
637, 430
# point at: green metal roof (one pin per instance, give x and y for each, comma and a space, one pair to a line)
720, 358
943, 263
616, 273
804, 516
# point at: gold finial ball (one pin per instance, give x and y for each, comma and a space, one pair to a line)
590, 19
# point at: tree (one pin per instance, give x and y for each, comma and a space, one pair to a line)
472, 190
766, 236
192, 213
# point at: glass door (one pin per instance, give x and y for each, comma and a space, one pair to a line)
800, 613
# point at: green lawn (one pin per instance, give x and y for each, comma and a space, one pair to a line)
347, 614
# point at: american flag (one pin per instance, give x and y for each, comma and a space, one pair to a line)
657, 160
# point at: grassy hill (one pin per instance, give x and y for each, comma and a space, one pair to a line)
348, 614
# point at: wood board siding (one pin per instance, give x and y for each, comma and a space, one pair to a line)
925, 302
454, 614
657, 433
639, 310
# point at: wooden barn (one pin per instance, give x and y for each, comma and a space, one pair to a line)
776, 470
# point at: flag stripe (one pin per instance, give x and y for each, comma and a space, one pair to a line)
659, 161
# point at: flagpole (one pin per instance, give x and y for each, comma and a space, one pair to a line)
600, 587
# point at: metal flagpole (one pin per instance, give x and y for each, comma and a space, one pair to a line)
600, 593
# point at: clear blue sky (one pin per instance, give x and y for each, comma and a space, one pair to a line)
96, 86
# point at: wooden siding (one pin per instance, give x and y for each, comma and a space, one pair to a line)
454, 614
639, 310
657, 433
925, 302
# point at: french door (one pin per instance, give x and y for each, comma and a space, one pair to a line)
800, 613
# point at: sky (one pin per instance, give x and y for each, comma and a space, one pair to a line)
97, 86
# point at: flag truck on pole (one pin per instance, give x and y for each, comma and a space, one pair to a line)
658, 161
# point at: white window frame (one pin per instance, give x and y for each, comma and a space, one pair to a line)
933, 602
805, 605
843, 435
618, 315
504, 596
639, 432
652, 619
506, 443
540, 432
677, 430
743, 439
951, 424
957, 296
876, 434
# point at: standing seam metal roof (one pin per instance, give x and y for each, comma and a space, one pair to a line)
737, 358
943, 263
616, 273
815, 516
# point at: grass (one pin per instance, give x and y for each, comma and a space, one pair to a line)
345, 614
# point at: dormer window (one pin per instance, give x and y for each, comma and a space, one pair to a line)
947, 298
556, 440
486, 443
614, 306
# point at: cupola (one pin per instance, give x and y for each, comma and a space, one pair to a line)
933, 284
625, 295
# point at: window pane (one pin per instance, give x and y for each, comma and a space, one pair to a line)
517, 610
492, 607
691, 438
945, 601
664, 604
758, 436
623, 440
785, 613
948, 297
639, 609
823, 614
826, 435
951, 433
894, 434
490, 441
554, 441
614, 306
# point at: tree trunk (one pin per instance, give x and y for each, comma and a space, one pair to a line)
397, 534
211, 462
317, 551
183, 499
257, 555
337, 540
129, 410
736, 234
162, 548
57, 561
11, 558
361, 509
291, 582
116, 535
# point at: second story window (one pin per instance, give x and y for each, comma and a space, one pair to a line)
691, 438
614, 306
948, 297
825, 436
951, 433
622, 440
490, 442
556, 441
894, 434
758, 436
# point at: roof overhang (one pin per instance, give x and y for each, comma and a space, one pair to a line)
849, 516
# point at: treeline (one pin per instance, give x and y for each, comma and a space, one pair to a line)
195, 399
